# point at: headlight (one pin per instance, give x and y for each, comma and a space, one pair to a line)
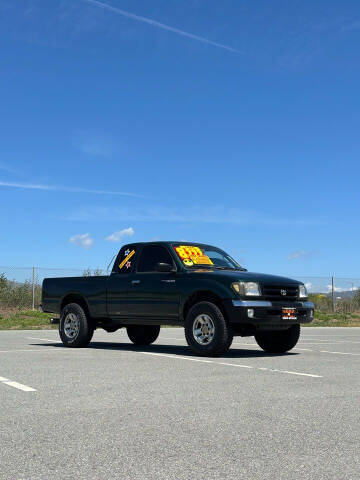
303, 292
250, 289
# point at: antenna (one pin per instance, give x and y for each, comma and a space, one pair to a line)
111, 261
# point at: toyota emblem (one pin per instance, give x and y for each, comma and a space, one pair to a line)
283, 292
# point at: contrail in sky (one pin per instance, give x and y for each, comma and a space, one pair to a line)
30, 186
154, 23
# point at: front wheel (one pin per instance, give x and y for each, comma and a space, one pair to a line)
75, 328
280, 341
206, 330
143, 334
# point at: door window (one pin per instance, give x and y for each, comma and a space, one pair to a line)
151, 255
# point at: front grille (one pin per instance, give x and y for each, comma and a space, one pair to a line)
275, 292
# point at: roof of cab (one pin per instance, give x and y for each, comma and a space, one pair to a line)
168, 242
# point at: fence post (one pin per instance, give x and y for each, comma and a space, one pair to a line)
33, 288
333, 294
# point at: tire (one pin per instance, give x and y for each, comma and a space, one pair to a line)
143, 334
75, 328
208, 341
280, 341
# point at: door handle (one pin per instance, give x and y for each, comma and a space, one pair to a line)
135, 282
168, 281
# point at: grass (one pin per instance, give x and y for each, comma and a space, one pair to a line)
25, 320
335, 320
35, 320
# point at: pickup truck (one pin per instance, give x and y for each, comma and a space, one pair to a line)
197, 286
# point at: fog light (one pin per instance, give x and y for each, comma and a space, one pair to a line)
250, 312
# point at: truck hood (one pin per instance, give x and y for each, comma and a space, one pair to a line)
247, 276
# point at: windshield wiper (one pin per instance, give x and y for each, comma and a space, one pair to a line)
216, 267
201, 266
226, 268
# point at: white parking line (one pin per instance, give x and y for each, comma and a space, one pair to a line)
345, 341
308, 350
326, 351
17, 385
327, 339
333, 341
29, 350
313, 343
295, 348
339, 353
43, 339
23, 350
232, 364
324, 342
173, 338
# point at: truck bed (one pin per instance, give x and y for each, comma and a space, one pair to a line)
92, 289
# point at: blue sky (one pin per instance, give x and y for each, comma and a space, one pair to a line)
234, 123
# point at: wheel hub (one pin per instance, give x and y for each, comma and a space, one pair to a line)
71, 326
203, 329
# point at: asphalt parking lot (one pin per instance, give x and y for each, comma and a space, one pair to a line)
114, 410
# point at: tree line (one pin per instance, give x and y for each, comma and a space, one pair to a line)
19, 295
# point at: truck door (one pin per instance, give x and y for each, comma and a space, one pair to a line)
119, 282
153, 294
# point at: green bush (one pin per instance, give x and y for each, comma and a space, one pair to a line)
18, 294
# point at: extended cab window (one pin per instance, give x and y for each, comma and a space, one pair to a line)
126, 260
151, 255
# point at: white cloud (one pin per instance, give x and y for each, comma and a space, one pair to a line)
120, 234
31, 186
82, 240
297, 254
336, 289
301, 254
343, 289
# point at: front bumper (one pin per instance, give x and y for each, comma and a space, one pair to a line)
265, 313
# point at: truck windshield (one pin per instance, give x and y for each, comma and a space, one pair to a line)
204, 256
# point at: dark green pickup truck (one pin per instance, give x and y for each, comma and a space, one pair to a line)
193, 285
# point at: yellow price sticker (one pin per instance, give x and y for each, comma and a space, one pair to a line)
194, 254
202, 260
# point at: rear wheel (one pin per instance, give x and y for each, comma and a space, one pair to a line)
75, 328
206, 330
143, 334
280, 341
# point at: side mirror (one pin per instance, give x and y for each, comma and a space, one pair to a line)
164, 267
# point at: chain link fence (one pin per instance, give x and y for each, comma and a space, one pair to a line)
20, 288
333, 294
